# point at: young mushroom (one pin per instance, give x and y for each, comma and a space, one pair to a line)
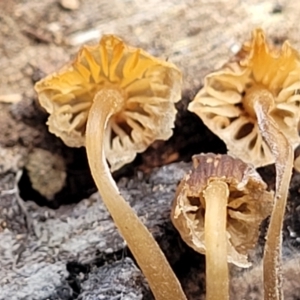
252, 103
116, 100
218, 208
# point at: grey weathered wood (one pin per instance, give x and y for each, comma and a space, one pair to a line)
33, 264
36, 38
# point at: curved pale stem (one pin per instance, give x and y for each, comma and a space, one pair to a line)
217, 280
150, 258
283, 153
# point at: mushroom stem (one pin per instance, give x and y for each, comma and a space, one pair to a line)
217, 280
283, 153
150, 258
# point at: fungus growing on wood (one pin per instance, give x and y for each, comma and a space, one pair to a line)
252, 104
116, 100
217, 210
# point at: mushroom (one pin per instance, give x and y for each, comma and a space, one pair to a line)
217, 210
116, 100
252, 103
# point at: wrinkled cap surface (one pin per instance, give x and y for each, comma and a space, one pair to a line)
149, 86
220, 102
249, 203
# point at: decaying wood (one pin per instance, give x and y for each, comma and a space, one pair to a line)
79, 232
74, 251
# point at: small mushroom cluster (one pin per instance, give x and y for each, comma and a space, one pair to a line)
253, 104
116, 100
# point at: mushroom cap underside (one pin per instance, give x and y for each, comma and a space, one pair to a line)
149, 88
220, 103
249, 203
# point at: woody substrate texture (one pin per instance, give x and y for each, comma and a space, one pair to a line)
69, 248
64, 245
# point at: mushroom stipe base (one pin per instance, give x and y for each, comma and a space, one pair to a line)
162, 280
217, 279
263, 102
217, 210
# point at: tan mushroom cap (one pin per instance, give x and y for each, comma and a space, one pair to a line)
149, 87
249, 203
220, 103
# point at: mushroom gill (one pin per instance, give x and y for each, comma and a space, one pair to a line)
223, 102
253, 104
148, 87
116, 100
217, 210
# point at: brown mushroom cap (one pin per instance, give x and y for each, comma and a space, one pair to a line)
222, 106
249, 203
149, 87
